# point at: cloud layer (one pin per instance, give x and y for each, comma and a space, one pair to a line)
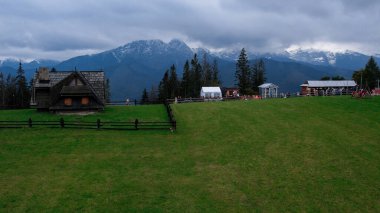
64, 28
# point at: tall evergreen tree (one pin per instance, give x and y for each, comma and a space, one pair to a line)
243, 74
357, 76
11, 91
144, 97
367, 77
207, 72
163, 88
186, 80
371, 74
153, 96
173, 83
196, 70
215, 74
258, 75
22, 90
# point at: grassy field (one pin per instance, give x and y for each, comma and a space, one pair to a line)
303, 154
114, 113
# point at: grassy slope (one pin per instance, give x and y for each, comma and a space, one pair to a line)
307, 154
114, 113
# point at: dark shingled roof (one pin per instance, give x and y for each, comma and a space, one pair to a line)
72, 90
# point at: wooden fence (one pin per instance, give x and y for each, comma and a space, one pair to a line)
98, 124
171, 115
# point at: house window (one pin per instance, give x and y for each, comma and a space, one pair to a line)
68, 102
85, 101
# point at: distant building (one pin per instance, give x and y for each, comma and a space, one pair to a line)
231, 92
68, 91
268, 90
211, 92
328, 87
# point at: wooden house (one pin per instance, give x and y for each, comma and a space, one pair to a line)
68, 91
231, 92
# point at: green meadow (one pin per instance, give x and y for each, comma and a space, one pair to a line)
315, 154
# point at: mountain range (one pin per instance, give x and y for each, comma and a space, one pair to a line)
141, 64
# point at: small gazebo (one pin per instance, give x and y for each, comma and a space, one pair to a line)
268, 90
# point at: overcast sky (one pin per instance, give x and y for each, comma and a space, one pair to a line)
62, 29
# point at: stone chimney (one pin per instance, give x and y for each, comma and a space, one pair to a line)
43, 75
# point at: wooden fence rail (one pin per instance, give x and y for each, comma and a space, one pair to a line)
171, 115
98, 124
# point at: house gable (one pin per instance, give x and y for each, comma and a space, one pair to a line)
84, 90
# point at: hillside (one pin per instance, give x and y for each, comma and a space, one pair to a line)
141, 64
283, 155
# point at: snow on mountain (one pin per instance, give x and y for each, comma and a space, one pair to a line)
27, 64
149, 48
312, 56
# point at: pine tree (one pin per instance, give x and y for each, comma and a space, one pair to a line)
10, 91
243, 74
153, 97
371, 74
173, 83
144, 97
186, 80
215, 74
259, 75
22, 90
207, 72
357, 76
163, 88
196, 70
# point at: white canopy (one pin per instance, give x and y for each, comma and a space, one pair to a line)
211, 92
268, 85
211, 89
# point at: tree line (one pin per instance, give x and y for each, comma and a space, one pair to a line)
334, 78
195, 74
369, 76
14, 90
248, 77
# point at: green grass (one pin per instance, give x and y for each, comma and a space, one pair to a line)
114, 113
308, 154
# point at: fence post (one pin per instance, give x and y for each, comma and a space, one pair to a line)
135, 102
62, 123
136, 123
30, 122
98, 123
175, 124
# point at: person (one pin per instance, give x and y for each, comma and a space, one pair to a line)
127, 102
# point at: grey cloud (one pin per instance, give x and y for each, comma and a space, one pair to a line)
73, 26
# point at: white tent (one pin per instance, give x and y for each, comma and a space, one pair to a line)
211, 92
268, 90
